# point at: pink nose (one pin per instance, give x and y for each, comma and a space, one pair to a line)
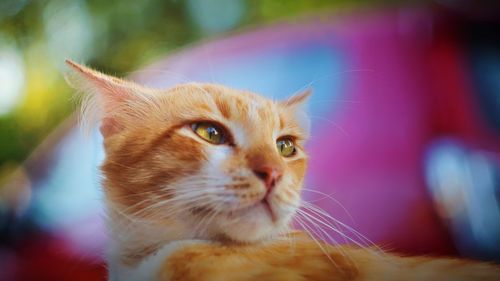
269, 175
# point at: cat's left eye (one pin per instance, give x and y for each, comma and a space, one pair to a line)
210, 132
286, 147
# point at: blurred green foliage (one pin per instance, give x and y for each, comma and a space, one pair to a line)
114, 36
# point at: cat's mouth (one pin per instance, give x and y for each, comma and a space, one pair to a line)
263, 204
269, 209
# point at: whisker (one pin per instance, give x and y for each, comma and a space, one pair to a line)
329, 196
303, 225
330, 239
328, 226
360, 236
331, 122
310, 84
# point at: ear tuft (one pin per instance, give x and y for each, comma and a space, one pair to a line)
77, 66
108, 84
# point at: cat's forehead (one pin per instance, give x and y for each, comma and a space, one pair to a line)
248, 115
226, 98
229, 104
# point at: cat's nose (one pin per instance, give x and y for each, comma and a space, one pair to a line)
269, 175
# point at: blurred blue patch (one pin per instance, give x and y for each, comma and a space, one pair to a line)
465, 187
281, 71
70, 192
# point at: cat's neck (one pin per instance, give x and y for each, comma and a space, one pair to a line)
133, 240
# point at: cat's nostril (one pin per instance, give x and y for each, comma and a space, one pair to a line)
264, 176
269, 175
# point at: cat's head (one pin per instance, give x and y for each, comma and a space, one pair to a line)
207, 160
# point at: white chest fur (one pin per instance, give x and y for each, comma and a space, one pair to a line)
148, 269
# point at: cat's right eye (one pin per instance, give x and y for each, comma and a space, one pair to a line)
209, 132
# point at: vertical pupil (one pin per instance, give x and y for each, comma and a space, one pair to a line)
286, 147
211, 132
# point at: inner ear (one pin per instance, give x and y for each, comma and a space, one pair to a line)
295, 109
297, 99
107, 99
111, 89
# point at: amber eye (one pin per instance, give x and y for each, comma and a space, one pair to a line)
286, 147
209, 132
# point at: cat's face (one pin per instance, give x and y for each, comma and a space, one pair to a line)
210, 161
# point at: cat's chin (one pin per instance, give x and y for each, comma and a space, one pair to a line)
254, 224
243, 234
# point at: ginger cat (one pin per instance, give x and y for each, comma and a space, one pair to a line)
202, 182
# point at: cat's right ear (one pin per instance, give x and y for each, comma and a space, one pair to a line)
106, 99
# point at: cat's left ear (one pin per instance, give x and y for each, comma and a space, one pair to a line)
295, 107
297, 100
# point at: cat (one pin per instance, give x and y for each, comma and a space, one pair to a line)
202, 182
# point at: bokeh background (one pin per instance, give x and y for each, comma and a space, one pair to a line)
406, 113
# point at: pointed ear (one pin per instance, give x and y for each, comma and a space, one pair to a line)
296, 106
297, 99
105, 97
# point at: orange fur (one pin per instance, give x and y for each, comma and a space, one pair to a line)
301, 261
164, 184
